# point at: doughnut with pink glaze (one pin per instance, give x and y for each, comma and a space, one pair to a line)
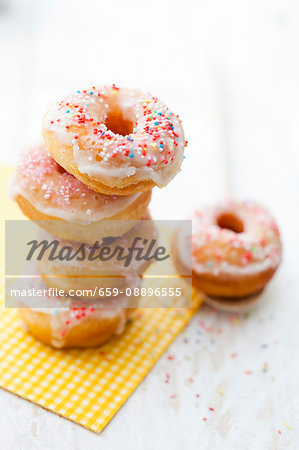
65, 206
116, 141
236, 249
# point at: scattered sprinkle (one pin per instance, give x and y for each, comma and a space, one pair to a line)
287, 425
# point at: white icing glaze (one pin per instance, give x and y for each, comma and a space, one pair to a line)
90, 166
153, 149
59, 330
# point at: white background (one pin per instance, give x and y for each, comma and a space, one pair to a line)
231, 70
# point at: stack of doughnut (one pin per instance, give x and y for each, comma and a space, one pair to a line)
104, 150
236, 249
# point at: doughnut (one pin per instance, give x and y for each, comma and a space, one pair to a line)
96, 274
75, 327
117, 141
64, 206
62, 321
236, 249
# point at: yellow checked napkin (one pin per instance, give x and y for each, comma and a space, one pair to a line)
85, 386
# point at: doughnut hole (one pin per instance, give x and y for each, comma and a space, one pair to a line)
117, 123
230, 221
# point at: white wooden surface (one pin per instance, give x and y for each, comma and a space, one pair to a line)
231, 70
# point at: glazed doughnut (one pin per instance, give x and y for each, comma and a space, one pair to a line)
66, 207
95, 274
116, 141
75, 327
236, 249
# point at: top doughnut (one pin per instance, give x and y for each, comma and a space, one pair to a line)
116, 141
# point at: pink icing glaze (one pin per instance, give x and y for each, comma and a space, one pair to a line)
44, 182
216, 248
